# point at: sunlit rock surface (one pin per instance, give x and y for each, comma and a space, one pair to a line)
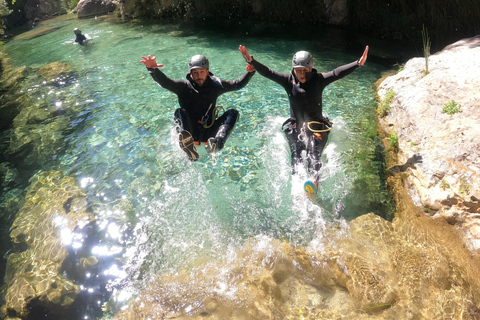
88, 8
412, 268
447, 180
54, 205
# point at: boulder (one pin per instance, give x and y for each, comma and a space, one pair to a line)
445, 180
88, 8
41, 9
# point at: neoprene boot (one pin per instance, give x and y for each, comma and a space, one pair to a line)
217, 143
186, 142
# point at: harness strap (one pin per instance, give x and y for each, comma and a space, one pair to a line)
326, 124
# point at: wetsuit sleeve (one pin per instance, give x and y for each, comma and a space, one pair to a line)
175, 86
237, 84
340, 72
280, 78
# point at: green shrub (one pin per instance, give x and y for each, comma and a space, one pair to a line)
445, 185
464, 187
451, 107
384, 106
393, 138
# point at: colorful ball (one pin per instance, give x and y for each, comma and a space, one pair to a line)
310, 187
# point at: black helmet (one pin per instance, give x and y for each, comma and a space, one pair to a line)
302, 59
198, 61
77, 31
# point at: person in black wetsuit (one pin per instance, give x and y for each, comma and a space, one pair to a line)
306, 129
79, 37
197, 95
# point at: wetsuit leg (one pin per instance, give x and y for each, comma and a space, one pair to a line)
221, 129
289, 128
186, 134
182, 121
315, 148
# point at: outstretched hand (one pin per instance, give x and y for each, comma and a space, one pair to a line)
363, 58
245, 54
150, 62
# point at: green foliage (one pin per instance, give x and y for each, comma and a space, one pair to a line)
4, 11
393, 139
428, 210
384, 106
451, 108
464, 187
70, 4
426, 48
445, 185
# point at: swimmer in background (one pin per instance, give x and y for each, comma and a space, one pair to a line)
79, 37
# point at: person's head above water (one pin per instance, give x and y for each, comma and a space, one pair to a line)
198, 67
77, 31
198, 61
302, 63
302, 59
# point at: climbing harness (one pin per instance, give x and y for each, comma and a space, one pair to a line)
206, 117
327, 124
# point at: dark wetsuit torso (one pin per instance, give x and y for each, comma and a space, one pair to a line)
306, 106
197, 102
80, 38
305, 98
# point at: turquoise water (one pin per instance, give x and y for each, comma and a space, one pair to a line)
166, 212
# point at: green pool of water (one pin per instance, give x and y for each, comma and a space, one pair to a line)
113, 131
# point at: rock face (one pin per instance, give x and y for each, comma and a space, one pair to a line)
54, 206
446, 182
378, 271
88, 8
40, 9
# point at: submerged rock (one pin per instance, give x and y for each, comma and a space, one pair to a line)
54, 205
375, 269
58, 74
435, 116
37, 32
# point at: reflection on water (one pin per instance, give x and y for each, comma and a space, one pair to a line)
93, 117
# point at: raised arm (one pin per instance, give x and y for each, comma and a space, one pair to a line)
150, 62
363, 58
175, 86
245, 54
280, 78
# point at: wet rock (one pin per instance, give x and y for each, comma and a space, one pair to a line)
373, 269
448, 177
35, 146
34, 271
88, 8
57, 73
35, 9
11, 76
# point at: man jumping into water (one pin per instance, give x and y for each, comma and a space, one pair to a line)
306, 129
197, 97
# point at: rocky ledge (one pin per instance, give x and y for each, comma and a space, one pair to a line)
430, 115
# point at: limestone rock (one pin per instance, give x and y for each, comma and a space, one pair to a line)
34, 269
447, 180
373, 270
88, 8
43, 8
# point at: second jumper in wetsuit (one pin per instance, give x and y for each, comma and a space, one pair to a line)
306, 129
197, 115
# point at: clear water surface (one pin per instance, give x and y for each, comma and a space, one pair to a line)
165, 211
